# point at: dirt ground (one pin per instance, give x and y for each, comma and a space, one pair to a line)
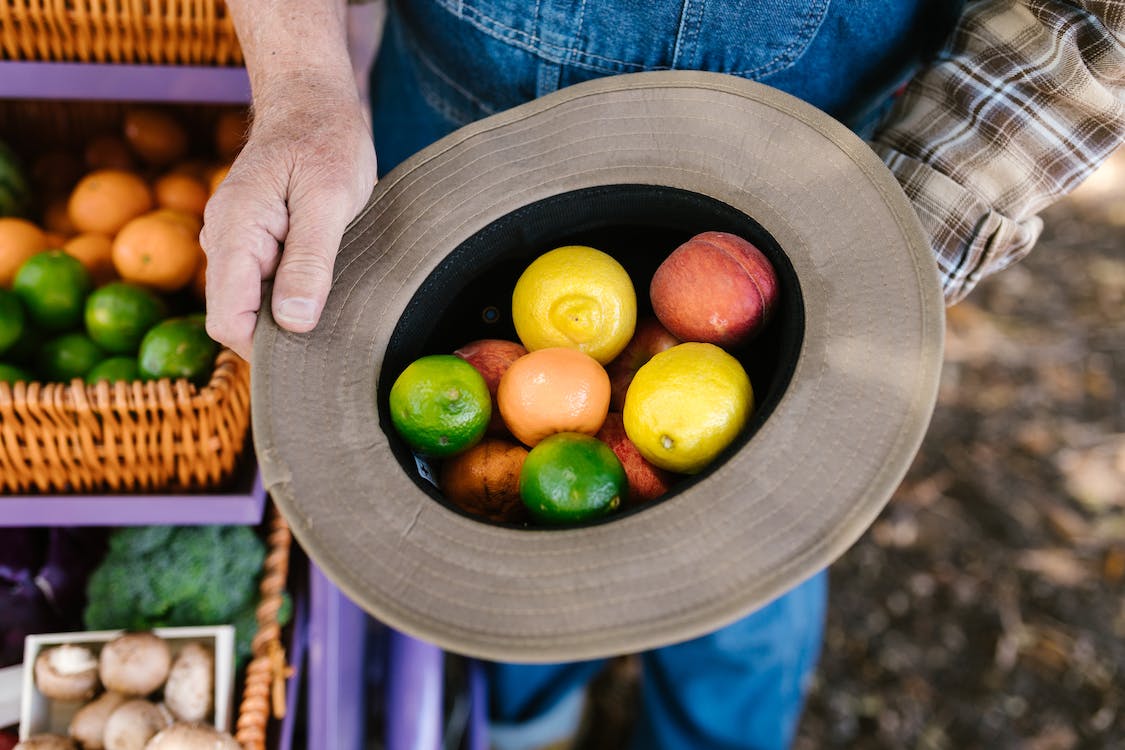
985, 607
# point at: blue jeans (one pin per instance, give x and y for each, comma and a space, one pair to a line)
445, 63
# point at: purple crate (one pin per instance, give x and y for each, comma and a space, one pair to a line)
242, 504
337, 636
124, 82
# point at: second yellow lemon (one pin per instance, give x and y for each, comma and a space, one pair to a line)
686, 405
577, 297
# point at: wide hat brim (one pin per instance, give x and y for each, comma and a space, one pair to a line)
837, 441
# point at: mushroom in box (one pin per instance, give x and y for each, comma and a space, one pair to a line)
127, 687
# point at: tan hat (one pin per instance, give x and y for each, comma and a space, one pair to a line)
636, 163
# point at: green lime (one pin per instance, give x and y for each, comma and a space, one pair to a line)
12, 374
11, 319
440, 405
53, 287
570, 477
119, 314
113, 370
177, 348
71, 355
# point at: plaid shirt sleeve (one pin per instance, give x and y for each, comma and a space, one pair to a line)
1023, 103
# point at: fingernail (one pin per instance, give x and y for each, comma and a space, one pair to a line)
296, 310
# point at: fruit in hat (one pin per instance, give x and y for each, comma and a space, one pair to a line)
646, 482
577, 297
53, 287
159, 249
715, 288
105, 200
649, 339
686, 405
485, 480
492, 358
570, 477
440, 405
553, 390
19, 240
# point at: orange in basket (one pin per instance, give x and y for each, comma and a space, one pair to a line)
159, 250
105, 200
95, 251
19, 240
181, 192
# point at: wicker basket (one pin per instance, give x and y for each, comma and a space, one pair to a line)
140, 436
170, 32
263, 692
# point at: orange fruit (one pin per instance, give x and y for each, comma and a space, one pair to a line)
95, 251
105, 200
190, 221
551, 390
19, 240
230, 133
155, 136
108, 152
181, 192
159, 250
571, 477
485, 480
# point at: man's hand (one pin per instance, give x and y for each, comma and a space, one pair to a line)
306, 170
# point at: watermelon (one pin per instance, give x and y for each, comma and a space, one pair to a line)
15, 193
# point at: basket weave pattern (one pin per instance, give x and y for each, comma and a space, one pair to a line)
140, 436
168, 32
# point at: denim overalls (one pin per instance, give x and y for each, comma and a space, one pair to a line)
445, 63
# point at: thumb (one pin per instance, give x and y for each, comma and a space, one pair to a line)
304, 274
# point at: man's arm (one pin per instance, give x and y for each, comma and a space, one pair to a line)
306, 170
1026, 100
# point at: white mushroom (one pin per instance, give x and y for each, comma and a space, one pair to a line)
67, 673
46, 742
87, 726
135, 663
184, 736
189, 692
133, 723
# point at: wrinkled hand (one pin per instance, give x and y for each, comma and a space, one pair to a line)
307, 169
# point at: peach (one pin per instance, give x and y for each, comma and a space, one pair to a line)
646, 482
649, 339
491, 358
716, 288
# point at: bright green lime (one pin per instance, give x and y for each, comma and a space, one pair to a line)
113, 370
177, 348
570, 477
12, 374
11, 319
71, 355
53, 287
119, 314
440, 405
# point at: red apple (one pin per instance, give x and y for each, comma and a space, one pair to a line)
716, 288
492, 358
646, 482
649, 339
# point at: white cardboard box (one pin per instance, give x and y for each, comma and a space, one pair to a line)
40, 714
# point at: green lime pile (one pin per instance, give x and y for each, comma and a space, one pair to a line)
55, 327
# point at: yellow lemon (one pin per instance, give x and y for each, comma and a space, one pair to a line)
686, 405
577, 297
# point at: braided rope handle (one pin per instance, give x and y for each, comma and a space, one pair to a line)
266, 674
